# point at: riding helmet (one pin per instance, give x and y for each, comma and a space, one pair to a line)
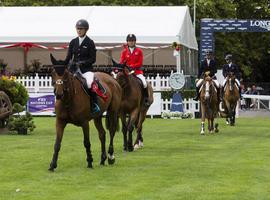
131, 37
82, 23
228, 57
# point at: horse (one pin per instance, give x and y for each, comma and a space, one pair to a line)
231, 97
73, 106
209, 105
132, 105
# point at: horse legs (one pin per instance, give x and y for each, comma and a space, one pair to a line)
202, 119
132, 120
112, 125
60, 126
139, 140
102, 138
124, 131
87, 144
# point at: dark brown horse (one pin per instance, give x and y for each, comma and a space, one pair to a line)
209, 105
231, 97
73, 106
132, 106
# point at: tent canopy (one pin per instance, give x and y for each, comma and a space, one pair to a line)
108, 24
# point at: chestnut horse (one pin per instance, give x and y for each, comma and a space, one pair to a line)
73, 106
209, 105
231, 97
132, 105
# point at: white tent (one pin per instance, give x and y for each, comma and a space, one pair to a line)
108, 24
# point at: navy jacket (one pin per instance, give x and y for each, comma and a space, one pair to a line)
234, 68
205, 67
85, 53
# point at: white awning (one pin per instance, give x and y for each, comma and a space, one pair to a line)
108, 24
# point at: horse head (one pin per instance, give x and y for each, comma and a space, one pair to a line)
231, 80
59, 77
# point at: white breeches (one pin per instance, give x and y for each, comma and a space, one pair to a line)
236, 80
199, 83
142, 78
89, 76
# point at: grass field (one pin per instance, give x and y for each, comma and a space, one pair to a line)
176, 163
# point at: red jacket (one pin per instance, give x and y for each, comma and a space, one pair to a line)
133, 60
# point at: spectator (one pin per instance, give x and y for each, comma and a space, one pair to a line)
253, 100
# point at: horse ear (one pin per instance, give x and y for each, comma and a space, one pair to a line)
53, 60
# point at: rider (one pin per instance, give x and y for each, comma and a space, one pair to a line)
133, 57
82, 53
207, 65
231, 67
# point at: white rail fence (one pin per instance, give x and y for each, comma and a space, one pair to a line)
37, 84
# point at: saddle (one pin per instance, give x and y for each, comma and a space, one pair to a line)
96, 86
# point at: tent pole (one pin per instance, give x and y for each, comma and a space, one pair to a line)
25, 60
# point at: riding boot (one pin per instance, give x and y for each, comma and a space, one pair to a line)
146, 97
94, 103
240, 96
196, 98
219, 95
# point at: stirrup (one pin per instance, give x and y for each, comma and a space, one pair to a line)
95, 108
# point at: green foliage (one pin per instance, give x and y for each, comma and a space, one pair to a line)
19, 122
16, 91
186, 94
176, 163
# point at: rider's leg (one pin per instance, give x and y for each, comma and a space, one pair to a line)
198, 85
145, 89
89, 76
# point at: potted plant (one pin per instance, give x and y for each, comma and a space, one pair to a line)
21, 123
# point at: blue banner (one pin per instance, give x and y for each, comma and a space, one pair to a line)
41, 104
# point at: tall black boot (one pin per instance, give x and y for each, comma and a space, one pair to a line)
146, 97
94, 103
240, 96
196, 98
219, 95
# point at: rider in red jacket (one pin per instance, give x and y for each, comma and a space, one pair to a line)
133, 56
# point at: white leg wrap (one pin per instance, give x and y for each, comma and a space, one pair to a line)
89, 76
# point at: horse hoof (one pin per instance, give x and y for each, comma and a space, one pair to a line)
216, 130
51, 169
90, 166
202, 133
130, 149
111, 161
140, 144
136, 147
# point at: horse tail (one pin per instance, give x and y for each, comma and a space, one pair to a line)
112, 121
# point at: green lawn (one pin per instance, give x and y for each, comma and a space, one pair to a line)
176, 163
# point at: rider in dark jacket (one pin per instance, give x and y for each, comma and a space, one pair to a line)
82, 54
207, 65
231, 67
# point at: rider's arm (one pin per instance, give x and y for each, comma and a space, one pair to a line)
70, 52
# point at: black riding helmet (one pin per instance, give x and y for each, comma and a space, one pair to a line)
82, 23
228, 57
131, 37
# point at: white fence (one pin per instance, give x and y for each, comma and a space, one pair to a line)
37, 84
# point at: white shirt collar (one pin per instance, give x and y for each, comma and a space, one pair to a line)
81, 39
131, 49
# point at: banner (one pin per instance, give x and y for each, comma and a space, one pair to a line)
41, 104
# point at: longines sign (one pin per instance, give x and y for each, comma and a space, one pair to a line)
210, 26
261, 23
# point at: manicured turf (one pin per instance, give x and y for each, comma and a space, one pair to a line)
176, 163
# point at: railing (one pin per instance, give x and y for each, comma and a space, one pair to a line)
36, 84
39, 84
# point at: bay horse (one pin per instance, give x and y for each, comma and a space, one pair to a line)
132, 105
73, 106
231, 97
209, 105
